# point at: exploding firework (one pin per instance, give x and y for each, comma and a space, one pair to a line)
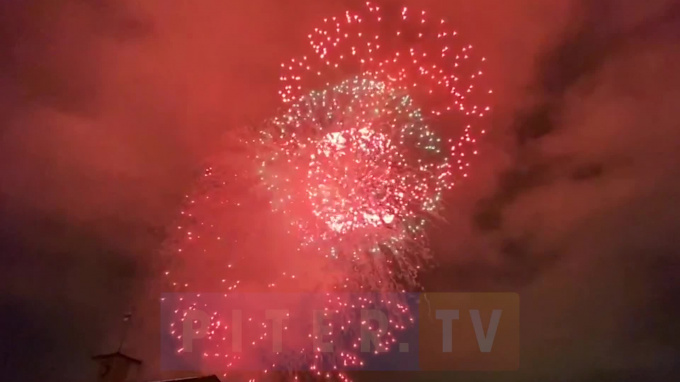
356, 168
380, 119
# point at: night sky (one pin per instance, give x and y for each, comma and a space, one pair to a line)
110, 108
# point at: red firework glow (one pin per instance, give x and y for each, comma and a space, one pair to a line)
381, 118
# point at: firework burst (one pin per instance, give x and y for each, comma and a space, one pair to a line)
379, 120
356, 168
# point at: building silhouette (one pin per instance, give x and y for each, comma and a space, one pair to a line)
118, 367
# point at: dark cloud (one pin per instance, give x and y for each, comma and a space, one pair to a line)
581, 214
109, 108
